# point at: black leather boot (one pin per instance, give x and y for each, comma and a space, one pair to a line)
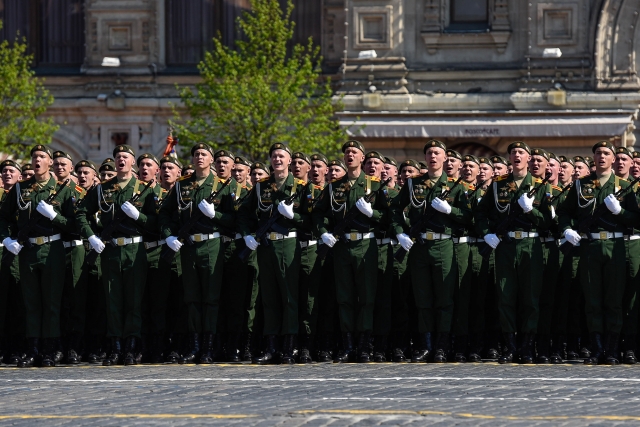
596, 351
509, 352
363, 348
399, 344
15, 351
73, 350
304, 354
629, 356
288, 343
207, 348
193, 352
130, 351
557, 350
232, 353
172, 349
246, 353
492, 345
461, 349
476, 348
31, 357
442, 347
526, 349
95, 352
325, 353
48, 349
380, 348
155, 348
611, 349
585, 349
347, 351
268, 356
573, 347
423, 348
115, 357
542, 347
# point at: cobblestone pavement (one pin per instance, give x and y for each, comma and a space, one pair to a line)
321, 394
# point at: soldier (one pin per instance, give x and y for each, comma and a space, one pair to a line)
241, 171
355, 254
188, 169
123, 260
423, 167
453, 164
41, 265
107, 170
390, 170
432, 264
259, 171
623, 163
565, 174
518, 257
602, 252
581, 167
279, 258
635, 169
12, 312
500, 166
27, 171
408, 169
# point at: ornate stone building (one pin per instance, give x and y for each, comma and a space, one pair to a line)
478, 74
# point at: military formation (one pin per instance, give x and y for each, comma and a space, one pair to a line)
533, 258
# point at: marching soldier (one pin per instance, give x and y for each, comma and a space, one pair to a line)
635, 169
390, 170
27, 171
107, 169
259, 171
453, 164
123, 259
500, 166
41, 264
565, 174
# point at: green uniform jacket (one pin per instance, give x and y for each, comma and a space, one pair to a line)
419, 192
78, 194
504, 191
313, 197
159, 194
11, 213
587, 194
109, 196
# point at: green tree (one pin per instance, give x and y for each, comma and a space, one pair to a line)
23, 99
260, 92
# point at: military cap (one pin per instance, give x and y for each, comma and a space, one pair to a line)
124, 149
201, 146
580, 159
11, 163
73, 173
107, 166
352, 143
224, 153
485, 160
134, 169
552, 156
108, 160
409, 162
239, 160
434, 143
171, 159
623, 150
453, 153
320, 157
338, 163
59, 153
589, 160
302, 156
540, 152
471, 158
186, 167
423, 165
373, 155
605, 144
635, 154
85, 164
147, 156
518, 144
42, 148
499, 159
26, 167
390, 161
261, 165
565, 159
279, 146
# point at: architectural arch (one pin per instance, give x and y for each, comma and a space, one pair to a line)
69, 142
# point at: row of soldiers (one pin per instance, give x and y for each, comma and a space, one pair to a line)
457, 258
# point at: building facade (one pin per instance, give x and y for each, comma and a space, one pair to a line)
478, 74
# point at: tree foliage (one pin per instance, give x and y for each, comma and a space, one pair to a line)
23, 99
260, 92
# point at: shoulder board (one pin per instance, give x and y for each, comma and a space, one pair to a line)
501, 177
555, 187
264, 179
80, 190
182, 178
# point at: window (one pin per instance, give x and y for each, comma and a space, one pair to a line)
469, 15
191, 26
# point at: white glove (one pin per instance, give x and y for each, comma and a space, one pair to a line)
405, 241
207, 209
572, 236
286, 210
526, 203
553, 212
364, 207
251, 242
174, 243
130, 211
441, 206
96, 243
612, 204
492, 240
12, 245
46, 210
328, 239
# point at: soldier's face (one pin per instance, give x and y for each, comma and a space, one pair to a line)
519, 158
257, 175
581, 170
86, 177
319, 171
635, 169
470, 171
300, 169
452, 166
107, 175
500, 169
10, 176
485, 173
389, 171
224, 166
202, 159
353, 158
280, 160
336, 172
148, 170
62, 168
373, 167
435, 158
622, 164
603, 157
170, 173
124, 162
28, 174
409, 172
566, 172
553, 167
538, 166
40, 162
240, 172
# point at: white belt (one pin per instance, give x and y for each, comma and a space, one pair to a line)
386, 240
202, 237
309, 243
44, 239
465, 239
278, 236
605, 235
149, 245
124, 241
522, 234
632, 237
229, 239
435, 236
72, 243
359, 236
547, 239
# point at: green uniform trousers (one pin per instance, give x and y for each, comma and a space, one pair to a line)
235, 288
434, 278
279, 264
158, 302
42, 279
552, 259
400, 296
96, 303
328, 319
382, 310
310, 279
355, 267
569, 306
202, 273
603, 281
630, 298
124, 274
519, 278
75, 290
481, 283
462, 294
12, 315
254, 286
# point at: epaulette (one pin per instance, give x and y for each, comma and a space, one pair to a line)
182, 178
555, 187
264, 179
501, 177
80, 190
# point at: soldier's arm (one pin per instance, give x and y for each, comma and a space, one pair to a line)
225, 212
541, 216
148, 218
166, 217
461, 208
84, 211
629, 215
247, 213
398, 204
319, 215
66, 220
301, 216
